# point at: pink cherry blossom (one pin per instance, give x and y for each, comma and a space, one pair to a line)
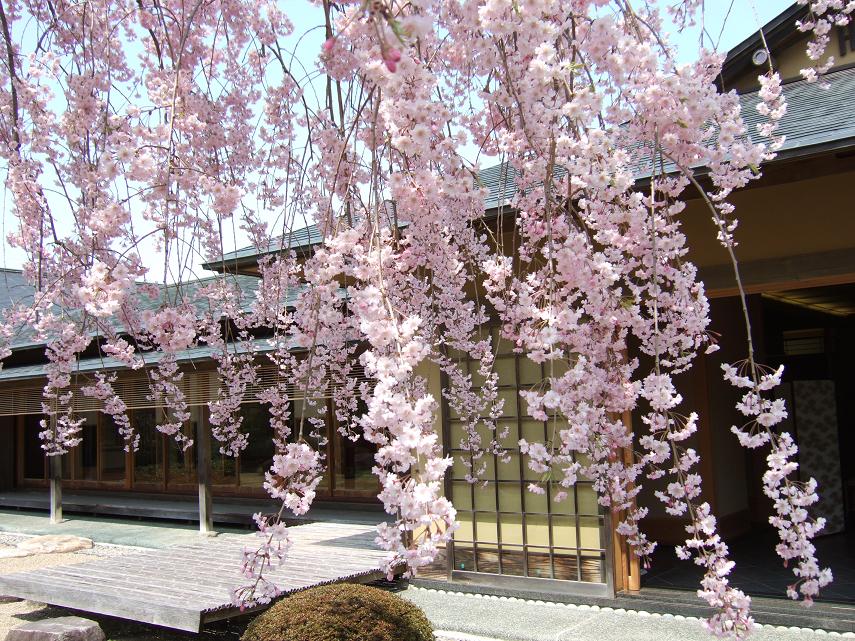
141, 140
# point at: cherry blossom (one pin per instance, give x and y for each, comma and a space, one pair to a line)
142, 139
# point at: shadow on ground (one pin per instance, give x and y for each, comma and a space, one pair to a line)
123, 630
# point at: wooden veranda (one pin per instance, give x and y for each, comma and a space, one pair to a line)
184, 587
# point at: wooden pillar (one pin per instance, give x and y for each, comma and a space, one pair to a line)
627, 566
633, 563
203, 474
630, 564
55, 474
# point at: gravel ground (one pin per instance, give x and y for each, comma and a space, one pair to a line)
12, 614
456, 617
23, 563
477, 617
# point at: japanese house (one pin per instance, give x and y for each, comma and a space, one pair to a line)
797, 247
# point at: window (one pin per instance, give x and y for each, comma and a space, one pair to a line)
257, 458
87, 452
182, 462
34, 455
846, 39
504, 528
111, 451
148, 459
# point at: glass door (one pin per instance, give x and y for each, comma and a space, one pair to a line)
86, 461
112, 458
255, 461
349, 460
149, 466
34, 467
350, 466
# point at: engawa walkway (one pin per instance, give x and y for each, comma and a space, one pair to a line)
185, 586
168, 507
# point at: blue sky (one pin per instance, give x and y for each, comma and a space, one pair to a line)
728, 22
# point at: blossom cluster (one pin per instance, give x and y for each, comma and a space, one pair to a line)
792, 498
270, 554
823, 17
165, 144
294, 477
114, 406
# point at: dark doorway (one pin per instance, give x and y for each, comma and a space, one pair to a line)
812, 333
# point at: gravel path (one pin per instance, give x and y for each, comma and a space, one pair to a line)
477, 617
15, 613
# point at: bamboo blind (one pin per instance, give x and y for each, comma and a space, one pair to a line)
199, 388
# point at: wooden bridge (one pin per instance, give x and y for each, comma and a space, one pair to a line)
184, 587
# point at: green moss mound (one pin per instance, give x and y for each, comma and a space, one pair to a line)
343, 612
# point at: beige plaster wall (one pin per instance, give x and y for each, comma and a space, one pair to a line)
800, 217
789, 62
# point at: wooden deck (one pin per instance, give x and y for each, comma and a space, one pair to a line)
184, 587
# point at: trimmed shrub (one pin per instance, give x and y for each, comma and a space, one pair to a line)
343, 612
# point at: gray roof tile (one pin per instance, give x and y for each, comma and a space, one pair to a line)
817, 114
296, 240
13, 289
108, 363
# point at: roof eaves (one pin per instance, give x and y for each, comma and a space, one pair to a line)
109, 364
779, 31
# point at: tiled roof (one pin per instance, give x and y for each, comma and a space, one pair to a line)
109, 363
296, 240
14, 289
499, 181
496, 179
818, 114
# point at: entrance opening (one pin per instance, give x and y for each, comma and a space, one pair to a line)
812, 333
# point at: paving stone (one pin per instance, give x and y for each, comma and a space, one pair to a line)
58, 629
47, 544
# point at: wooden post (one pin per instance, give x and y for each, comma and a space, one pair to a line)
633, 563
55, 472
627, 566
203, 474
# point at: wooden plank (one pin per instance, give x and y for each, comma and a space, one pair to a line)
147, 594
227, 611
112, 604
158, 587
222, 576
229, 566
227, 555
144, 587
